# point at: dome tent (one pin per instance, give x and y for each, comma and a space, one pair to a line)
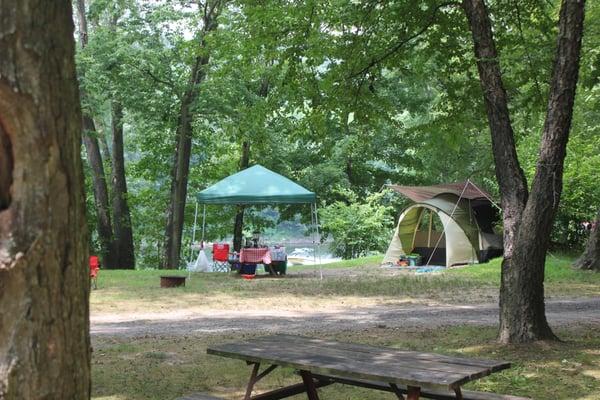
464, 233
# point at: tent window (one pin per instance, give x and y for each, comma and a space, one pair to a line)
426, 237
424, 221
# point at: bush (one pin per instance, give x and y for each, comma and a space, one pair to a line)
357, 228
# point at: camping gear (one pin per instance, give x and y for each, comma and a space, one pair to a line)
414, 260
278, 267
220, 254
402, 261
248, 269
278, 264
171, 281
447, 225
278, 253
258, 185
94, 269
201, 264
260, 255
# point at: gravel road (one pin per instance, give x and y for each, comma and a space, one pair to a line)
260, 320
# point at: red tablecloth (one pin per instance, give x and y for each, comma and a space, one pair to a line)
260, 255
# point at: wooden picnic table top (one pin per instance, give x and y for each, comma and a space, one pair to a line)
357, 361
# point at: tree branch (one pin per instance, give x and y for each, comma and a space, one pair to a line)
399, 45
155, 78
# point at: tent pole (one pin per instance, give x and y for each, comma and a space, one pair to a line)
430, 226
203, 225
445, 226
194, 233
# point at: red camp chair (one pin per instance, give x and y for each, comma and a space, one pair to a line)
94, 269
220, 254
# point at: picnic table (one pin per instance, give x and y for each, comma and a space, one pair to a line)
324, 362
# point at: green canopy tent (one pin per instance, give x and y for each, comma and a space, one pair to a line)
257, 185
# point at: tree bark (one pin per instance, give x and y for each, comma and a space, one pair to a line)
238, 226
121, 215
510, 175
181, 160
590, 259
94, 157
44, 282
528, 218
6, 167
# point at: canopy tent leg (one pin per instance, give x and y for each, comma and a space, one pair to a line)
203, 225
317, 242
312, 232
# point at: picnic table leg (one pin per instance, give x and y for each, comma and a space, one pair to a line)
414, 392
458, 392
397, 391
309, 383
252, 381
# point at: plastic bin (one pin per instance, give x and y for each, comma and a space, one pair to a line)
279, 267
248, 269
414, 260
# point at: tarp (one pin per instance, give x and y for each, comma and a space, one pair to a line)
255, 185
422, 193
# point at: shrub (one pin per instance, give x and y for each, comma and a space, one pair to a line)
357, 227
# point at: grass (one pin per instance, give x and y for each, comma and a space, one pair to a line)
165, 368
560, 278
354, 282
168, 367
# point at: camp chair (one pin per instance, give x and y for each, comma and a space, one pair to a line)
94, 269
220, 257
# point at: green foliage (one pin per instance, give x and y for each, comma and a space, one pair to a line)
357, 227
342, 97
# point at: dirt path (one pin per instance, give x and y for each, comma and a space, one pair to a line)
261, 320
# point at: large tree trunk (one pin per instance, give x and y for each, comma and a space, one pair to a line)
44, 282
590, 259
238, 225
181, 161
121, 213
90, 141
528, 219
511, 179
104, 225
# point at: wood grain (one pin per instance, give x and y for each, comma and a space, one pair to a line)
356, 361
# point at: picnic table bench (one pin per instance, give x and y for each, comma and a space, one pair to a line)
324, 362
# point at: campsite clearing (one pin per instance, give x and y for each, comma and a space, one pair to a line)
150, 343
354, 283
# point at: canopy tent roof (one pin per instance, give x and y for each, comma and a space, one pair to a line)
255, 185
422, 193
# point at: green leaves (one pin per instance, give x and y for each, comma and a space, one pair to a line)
358, 227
